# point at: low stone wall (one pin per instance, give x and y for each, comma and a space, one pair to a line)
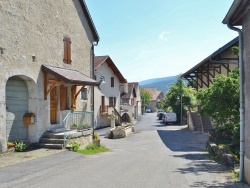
223, 154
83, 138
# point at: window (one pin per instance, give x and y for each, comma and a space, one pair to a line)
112, 82
112, 101
103, 104
67, 50
84, 94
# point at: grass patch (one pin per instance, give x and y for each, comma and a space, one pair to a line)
92, 149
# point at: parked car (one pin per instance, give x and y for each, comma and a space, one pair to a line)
158, 112
148, 110
169, 117
161, 115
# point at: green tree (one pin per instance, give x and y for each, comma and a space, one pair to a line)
221, 100
145, 98
179, 95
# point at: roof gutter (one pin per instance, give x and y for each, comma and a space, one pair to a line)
231, 11
242, 101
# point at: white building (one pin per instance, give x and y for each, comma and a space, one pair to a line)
107, 96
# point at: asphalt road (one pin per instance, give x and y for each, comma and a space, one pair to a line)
154, 156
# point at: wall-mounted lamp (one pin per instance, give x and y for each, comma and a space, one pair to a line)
102, 79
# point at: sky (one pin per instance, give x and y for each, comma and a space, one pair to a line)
149, 39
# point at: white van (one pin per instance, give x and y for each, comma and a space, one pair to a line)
170, 117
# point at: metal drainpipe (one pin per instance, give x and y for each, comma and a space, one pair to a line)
242, 102
93, 89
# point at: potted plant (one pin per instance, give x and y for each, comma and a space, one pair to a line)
83, 127
73, 126
10, 145
112, 118
96, 139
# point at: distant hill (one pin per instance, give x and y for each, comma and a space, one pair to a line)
162, 84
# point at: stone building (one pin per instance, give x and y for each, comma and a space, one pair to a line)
46, 57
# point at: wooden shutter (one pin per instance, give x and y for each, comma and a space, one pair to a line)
103, 104
73, 94
67, 50
110, 101
112, 82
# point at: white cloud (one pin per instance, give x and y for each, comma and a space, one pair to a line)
163, 36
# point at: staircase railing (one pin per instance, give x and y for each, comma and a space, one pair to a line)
77, 120
118, 115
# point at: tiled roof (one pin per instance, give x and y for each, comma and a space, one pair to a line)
155, 94
129, 93
69, 75
99, 60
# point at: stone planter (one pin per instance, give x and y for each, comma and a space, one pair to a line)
121, 132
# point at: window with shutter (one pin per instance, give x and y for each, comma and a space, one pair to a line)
67, 50
112, 82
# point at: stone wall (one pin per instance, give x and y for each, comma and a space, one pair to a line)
37, 28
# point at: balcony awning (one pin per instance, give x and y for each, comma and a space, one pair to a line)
54, 76
69, 76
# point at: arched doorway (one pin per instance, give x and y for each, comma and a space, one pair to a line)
126, 118
16, 107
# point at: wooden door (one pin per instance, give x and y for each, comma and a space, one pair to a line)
53, 104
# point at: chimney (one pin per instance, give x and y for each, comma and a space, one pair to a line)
125, 85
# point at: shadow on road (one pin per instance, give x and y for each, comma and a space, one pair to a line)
192, 146
183, 140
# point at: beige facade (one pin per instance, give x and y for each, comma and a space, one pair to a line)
32, 34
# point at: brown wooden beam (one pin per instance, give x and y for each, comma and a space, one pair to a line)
76, 95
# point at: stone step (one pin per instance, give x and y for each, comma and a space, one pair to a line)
51, 141
58, 130
53, 135
51, 146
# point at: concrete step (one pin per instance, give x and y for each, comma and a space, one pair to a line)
51, 141
51, 146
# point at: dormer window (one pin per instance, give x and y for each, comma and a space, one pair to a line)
67, 50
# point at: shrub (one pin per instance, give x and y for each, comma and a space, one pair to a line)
96, 136
74, 146
93, 149
20, 146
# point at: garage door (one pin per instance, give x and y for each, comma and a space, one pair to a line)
16, 107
